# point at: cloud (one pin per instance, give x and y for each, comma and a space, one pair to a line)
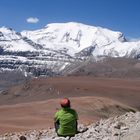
32, 20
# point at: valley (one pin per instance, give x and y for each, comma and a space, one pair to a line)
32, 105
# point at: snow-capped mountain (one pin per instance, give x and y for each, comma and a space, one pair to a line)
75, 37
56, 45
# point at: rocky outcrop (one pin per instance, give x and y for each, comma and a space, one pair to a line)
125, 127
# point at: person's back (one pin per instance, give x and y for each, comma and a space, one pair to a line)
66, 121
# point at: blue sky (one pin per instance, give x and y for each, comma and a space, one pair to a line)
117, 15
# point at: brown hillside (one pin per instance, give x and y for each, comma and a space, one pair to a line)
126, 91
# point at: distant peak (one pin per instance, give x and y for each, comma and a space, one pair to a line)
6, 29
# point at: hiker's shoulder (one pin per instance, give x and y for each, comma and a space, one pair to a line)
58, 111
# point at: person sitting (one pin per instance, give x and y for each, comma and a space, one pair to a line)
66, 119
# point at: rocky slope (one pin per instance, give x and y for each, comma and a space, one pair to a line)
108, 67
49, 50
125, 127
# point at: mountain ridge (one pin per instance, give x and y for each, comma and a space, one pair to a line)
58, 45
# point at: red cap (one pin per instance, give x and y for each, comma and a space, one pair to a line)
65, 102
